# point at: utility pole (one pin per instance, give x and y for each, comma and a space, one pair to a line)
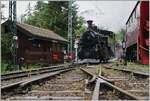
70, 27
29, 9
28, 12
13, 29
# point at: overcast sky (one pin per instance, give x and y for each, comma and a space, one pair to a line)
108, 14
21, 7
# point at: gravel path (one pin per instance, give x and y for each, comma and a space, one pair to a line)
69, 84
134, 84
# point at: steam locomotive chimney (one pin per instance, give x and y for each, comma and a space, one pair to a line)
89, 22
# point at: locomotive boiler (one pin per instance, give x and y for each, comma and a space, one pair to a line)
93, 44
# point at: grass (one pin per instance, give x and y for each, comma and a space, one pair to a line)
7, 68
110, 72
135, 66
3, 67
138, 66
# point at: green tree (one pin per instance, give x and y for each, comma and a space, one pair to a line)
39, 5
50, 15
120, 35
54, 16
81, 28
6, 42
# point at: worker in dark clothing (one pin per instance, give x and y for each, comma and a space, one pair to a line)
21, 62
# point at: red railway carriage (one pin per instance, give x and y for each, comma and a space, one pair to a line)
137, 35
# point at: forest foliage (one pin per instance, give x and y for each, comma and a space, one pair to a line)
53, 15
120, 35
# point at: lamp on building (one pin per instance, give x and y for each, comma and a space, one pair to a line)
15, 38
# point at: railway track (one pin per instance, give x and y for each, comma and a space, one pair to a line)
65, 86
42, 70
136, 73
22, 86
20, 76
15, 81
130, 86
76, 85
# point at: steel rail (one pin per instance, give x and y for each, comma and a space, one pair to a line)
31, 80
47, 98
35, 79
32, 72
130, 71
18, 72
96, 92
93, 75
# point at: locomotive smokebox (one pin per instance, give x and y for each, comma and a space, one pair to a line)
89, 22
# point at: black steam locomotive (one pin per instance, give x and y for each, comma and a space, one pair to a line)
93, 44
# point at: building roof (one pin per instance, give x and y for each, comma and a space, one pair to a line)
132, 11
41, 32
38, 32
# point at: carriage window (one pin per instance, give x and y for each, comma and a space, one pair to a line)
131, 18
35, 43
58, 47
138, 11
129, 23
134, 16
54, 47
135, 13
62, 48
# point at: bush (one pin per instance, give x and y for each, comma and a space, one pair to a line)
6, 66
6, 42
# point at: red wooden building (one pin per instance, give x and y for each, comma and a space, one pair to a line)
38, 45
137, 35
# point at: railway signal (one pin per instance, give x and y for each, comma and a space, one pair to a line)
12, 18
124, 51
70, 26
